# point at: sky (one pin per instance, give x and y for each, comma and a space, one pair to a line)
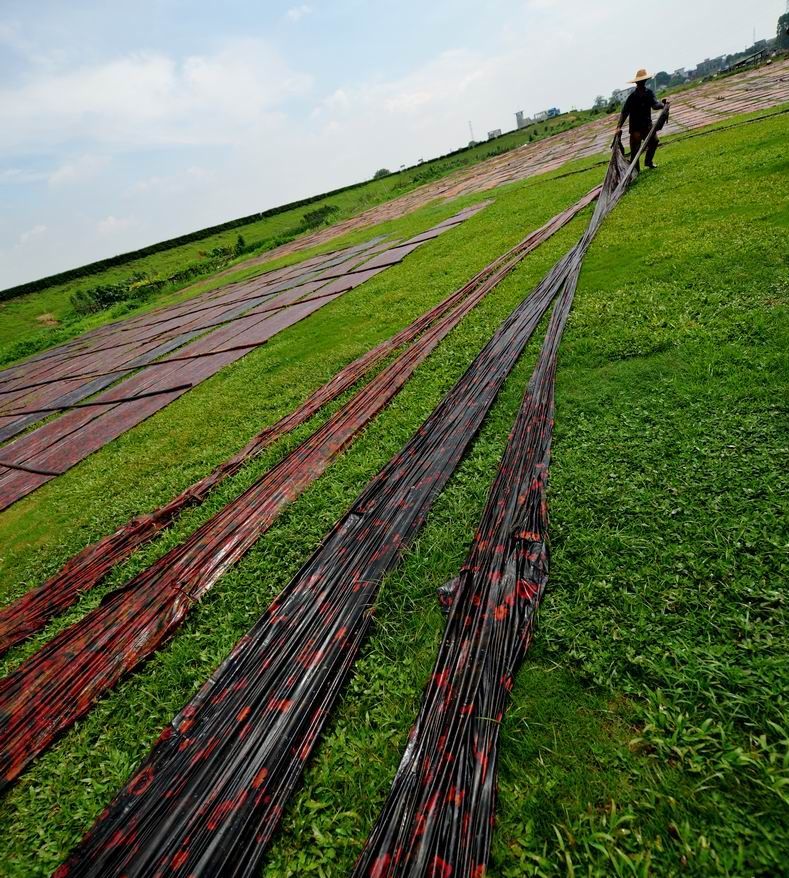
122, 124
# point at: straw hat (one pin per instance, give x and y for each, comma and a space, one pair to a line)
642, 75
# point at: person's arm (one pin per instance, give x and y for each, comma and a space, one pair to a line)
624, 114
656, 104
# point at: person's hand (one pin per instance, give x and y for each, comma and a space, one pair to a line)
666, 102
618, 129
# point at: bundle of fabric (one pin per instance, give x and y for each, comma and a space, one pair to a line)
211, 794
438, 818
59, 683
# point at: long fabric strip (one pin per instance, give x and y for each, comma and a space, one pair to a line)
438, 818
30, 613
211, 794
59, 683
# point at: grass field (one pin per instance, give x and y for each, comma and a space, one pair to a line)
649, 732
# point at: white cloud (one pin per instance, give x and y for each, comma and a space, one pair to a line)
78, 170
19, 175
424, 113
408, 101
112, 225
337, 100
173, 183
296, 13
149, 99
31, 234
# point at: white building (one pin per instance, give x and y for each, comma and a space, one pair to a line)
619, 95
495, 133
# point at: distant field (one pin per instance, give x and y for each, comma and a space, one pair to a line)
26, 324
649, 732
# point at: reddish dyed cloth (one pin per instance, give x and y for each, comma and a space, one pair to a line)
236, 326
30, 613
210, 795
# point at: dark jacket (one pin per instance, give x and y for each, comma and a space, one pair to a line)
638, 107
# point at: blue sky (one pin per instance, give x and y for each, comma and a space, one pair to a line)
123, 124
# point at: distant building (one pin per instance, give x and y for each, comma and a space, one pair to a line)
619, 95
547, 114
492, 135
522, 121
708, 66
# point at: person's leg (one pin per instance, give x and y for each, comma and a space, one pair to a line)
650, 151
635, 143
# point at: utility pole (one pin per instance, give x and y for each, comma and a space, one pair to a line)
471, 130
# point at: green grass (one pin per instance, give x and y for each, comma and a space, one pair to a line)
648, 732
23, 333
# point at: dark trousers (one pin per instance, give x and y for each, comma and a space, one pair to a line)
636, 138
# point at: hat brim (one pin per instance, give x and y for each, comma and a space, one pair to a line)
640, 79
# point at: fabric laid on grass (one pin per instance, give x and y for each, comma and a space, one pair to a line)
30, 613
438, 818
211, 794
59, 683
54, 381
59, 444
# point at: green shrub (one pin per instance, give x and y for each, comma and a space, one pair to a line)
314, 218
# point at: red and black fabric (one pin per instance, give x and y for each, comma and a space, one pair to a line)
29, 614
439, 815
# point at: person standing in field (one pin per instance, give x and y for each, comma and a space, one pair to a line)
638, 108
